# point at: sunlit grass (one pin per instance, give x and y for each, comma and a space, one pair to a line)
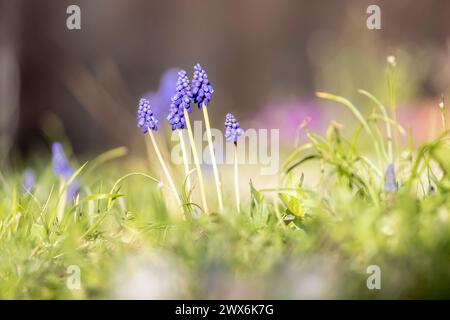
296, 239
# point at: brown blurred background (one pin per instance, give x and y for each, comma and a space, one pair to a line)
256, 52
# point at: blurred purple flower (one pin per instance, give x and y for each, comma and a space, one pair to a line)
29, 179
61, 166
159, 106
165, 90
232, 128
201, 87
62, 169
390, 183
145, 118
161, 98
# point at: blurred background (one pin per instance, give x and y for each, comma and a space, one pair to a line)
265, 59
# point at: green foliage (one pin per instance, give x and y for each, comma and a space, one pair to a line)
324, 231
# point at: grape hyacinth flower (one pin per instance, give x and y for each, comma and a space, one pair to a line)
179, 102
176, 117
201, 94
232, 128
29, 180
201, 87
390, 183
179, 117
145, 117
232, 132
148, 123
183, 95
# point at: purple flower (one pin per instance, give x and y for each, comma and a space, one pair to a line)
162, 98
390, 183
183, 94
181, 100
62, 169
29, 180
176, 117
61, 166
145, 117
201, 87
232, 129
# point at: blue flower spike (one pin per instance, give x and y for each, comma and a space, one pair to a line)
181, 100
202, 89
147, 122
145, 118
178, 118
232, 128
201, 94
232, 132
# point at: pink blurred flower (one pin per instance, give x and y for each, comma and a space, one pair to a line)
288, 118
423, 118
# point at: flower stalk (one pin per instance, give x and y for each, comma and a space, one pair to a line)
202, 91
196, 161
148, 123
236, 179
443, 119
62, 200
164, 166
185, 161
232, 132
213, 157
392, 63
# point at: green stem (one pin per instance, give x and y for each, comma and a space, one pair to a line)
213, 157
164, 166
236, 178
392, 100
444, 122
388, 124
358, 115
186, 162
196, 161
62, 200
